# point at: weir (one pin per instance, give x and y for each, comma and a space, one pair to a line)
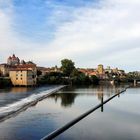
76, 120
19, 106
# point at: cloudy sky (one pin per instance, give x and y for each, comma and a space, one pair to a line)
90, 32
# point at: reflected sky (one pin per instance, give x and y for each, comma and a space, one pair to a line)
119, 120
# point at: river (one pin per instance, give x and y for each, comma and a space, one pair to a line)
118, 119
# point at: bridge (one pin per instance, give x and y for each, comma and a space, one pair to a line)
136, 81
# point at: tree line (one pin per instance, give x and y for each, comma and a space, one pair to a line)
69, 75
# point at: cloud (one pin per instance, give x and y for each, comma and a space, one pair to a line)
106, 32
6, 37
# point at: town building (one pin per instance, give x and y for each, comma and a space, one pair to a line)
101, 72
88, 72
21, 73
13, 60
4, 70
108, 70
45, 71
24, 75
100, 69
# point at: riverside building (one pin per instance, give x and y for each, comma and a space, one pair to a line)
12, 61
24, 75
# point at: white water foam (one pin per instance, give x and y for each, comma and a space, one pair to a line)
14, 107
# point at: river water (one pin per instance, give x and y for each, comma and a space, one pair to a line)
119, 119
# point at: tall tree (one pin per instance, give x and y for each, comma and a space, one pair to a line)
67, 66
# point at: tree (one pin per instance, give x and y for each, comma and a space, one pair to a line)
51, 78
94, 79
79, 78
5, 82
67, 66
39, 72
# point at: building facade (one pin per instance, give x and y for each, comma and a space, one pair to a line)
100, 69
24, 75
4, 70
13, 60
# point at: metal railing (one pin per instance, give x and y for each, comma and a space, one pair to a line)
76, 120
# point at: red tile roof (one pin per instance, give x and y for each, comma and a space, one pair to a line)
20, 69
26, 66
23, 67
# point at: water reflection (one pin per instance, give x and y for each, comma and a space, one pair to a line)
20, 89
11, 95
69, 94
16, 90
120, 119
66, 99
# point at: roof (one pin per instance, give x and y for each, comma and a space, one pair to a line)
20, 69
26, 66
6, 65
3, 64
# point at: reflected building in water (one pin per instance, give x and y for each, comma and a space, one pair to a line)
68, 95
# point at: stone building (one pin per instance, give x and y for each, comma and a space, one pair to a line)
88, 72
24, 75
101, 72
4, 69
100, 69
13, 60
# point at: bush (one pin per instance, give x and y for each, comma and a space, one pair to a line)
94, 79
51, 78
5, 82
76, 78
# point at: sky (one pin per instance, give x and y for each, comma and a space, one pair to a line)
90, 32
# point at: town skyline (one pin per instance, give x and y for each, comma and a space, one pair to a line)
27, 73
89, 32
19, 61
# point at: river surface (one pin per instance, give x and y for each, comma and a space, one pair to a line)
119, 119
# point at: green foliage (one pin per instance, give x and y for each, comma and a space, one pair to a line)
39, 72
132, 75
79, 78
94, 79
67, 66
5, 82
66, 99
70, 75
52, 78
